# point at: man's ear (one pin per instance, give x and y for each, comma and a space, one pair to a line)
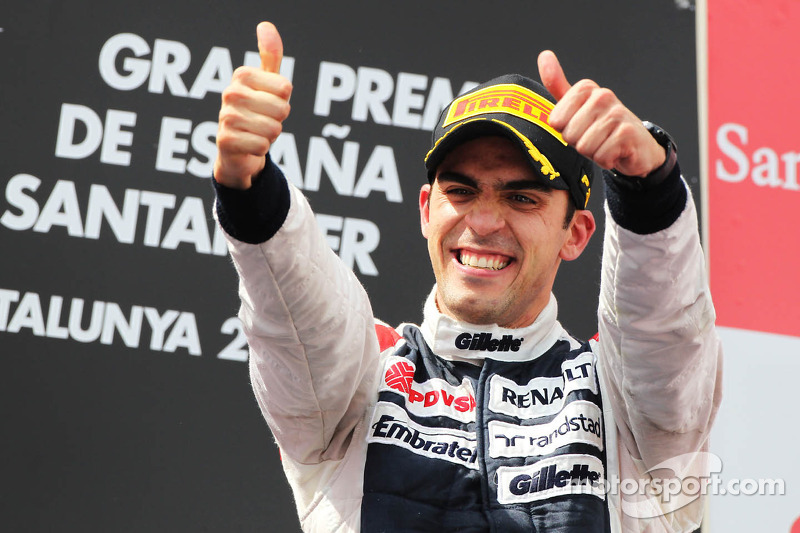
424, 208
579, 232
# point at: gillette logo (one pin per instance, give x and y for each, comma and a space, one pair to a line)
485, 343
559, 476
550, 477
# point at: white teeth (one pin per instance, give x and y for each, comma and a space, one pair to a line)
482, 262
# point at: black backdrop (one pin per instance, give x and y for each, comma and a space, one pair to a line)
118, 412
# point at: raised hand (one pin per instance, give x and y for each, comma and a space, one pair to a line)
594, 121
251, 117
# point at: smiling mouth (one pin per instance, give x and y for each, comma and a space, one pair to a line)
485, 261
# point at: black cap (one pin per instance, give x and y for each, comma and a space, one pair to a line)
518, 108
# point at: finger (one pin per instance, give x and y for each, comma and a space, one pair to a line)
578, 112
552, 75
248, 143
257, 124
270, 105
266, 95
270, 47
591, 141
611, 154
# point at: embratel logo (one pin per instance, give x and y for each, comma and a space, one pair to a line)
391, 425
434, 397
483, 342
504, 98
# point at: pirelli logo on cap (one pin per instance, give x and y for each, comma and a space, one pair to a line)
504, 98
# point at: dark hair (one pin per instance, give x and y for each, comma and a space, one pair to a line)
570, 213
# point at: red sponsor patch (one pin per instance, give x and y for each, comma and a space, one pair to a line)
400, 376
387, 337
754, 164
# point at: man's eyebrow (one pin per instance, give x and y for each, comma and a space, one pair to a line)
455, 177
526, 184
514, 185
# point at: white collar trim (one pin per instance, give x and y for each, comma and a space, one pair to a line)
456, 340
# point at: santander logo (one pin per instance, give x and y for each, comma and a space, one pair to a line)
763, 165
435, 397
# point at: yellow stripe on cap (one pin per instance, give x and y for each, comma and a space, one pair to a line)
547, 167
443, 137
504, 98
587, 183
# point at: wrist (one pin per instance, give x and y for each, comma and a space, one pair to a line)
233, 180
660, 173
255, 214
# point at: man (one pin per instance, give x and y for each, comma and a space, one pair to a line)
489, 416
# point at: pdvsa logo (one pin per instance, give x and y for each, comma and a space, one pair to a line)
434, 397
400, 376
484, 342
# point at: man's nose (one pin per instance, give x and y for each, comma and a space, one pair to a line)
485, 218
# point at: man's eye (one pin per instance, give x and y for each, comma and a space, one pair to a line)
459, 191
521, 198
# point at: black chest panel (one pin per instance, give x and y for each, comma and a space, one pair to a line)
509, 446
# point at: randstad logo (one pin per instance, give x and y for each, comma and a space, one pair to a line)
485, 343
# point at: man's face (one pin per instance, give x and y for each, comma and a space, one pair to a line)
495, 236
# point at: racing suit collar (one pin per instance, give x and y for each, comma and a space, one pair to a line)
456, 340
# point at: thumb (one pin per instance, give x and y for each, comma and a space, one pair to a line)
270, 47
552, 74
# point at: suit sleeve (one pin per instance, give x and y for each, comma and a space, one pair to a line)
658, 346
308, 321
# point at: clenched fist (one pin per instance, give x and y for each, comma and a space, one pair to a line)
251, 117
594, 122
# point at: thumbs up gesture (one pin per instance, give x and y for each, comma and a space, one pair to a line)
251, 117
594, 121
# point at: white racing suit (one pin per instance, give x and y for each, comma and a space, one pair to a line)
449, 426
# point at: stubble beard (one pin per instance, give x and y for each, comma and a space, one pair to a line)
472, 308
